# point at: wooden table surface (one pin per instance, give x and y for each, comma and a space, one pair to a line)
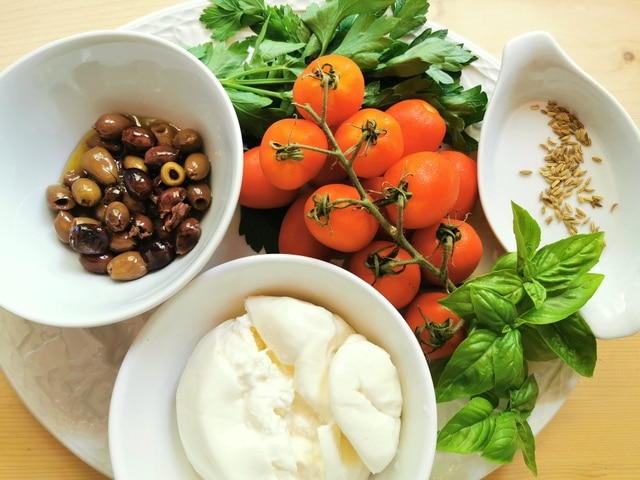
597, 431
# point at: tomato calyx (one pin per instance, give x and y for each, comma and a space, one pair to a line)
370, 134
382, 265
327, 76
287, 151
323, 206
439, 332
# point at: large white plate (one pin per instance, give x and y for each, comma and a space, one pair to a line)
65, 376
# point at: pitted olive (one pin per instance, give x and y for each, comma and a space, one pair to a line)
138, 183
127, 266
134, 161
199, 195
110, 125
62, 225
141, 226
169, 198
96, 263
197, 166
187, 235
100, 165
122, 242
117, 217
72, 175
188, 140
164, 133
157, 254
172, 174
138, 138
59, 197
86, 192
89, 238
156, 156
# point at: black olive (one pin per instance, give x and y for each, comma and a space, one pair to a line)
187, 235
138, 183
89, 238
157, 254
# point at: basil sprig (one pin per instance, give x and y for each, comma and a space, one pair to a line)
526, 308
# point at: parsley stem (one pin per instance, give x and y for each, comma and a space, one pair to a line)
257, 91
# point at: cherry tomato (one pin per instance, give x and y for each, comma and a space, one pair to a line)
294, 236
432, 182
437, 329
374, 264
468, 192
423, 127
373, 139
466, 250
258, 192
337, 223
345, 90
283, 158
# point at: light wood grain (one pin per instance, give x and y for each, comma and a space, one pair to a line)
596, 433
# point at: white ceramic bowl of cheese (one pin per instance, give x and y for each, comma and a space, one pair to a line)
144, 440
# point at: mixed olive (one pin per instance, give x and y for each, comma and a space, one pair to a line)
132, 195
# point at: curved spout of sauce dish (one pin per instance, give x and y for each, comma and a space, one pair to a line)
534, 71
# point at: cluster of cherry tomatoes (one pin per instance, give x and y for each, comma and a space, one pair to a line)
402, 145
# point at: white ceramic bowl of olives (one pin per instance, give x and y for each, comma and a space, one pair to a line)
100, 133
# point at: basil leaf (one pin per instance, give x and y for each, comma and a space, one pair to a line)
492, 311
504, 283
503, 444
574, 342
508, 361
527, 444
560, 262
558, 307
527, 233
470, 429
523, 399
535, 291
506, 261
535, 348
470, 369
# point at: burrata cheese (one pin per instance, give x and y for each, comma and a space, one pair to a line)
259, 395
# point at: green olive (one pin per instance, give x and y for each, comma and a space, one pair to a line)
197, 166
199, 195
127, 266
164, 132
100, 165
86, 192
60, 197
117, 216
172, 174
187, 140
134, 161
72, 175
62, 225
110, 125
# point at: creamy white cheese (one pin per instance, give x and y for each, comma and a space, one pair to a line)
259, 394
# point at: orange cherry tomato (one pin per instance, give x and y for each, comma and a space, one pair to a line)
345, 227
468, 173
437, 329
294, 236
423, 127
433, 183
372, 139
258, 192
345, 90
284, 160
398, 284
466, 251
